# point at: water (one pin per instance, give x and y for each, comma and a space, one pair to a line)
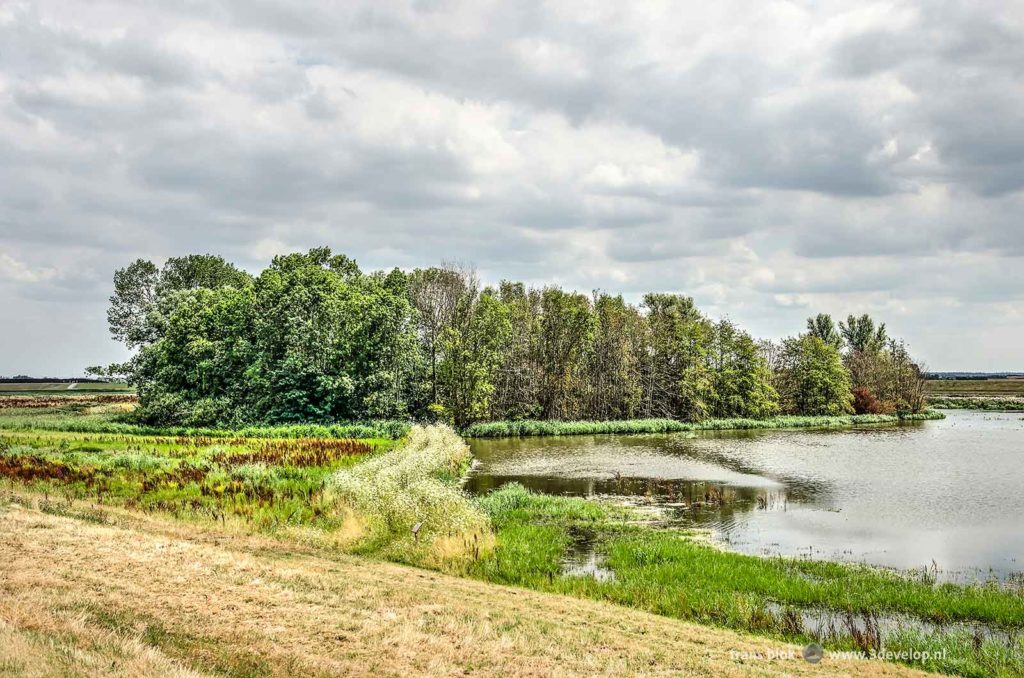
943, 495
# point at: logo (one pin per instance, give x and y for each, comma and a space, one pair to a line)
813, 653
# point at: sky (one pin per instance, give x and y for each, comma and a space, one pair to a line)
773, 160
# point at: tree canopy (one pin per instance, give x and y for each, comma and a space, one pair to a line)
312, 338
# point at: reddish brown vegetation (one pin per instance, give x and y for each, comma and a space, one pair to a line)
30, 468
39, 402
296, 452
865, 402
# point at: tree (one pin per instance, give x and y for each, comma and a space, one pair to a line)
141, 285
861, 335
473, 354
676, 379
814, 380
740, 377
442, 296
614, 370
823, 327
564, 342
312, 339
134, 294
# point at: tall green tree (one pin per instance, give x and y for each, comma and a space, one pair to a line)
862, 335
564, 343
141, 285
823, 327
677, 382
473, 354
814, 380
741, 382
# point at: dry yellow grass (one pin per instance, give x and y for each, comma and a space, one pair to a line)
146, 596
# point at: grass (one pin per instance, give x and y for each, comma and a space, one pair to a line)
365, 496
674, 574
975, 387
268, 483
511, 429
992, 404
412, 494
53, 388
144, 596
96, 417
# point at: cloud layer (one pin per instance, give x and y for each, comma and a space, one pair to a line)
771, 159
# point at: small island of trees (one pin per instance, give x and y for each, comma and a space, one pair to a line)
314, 339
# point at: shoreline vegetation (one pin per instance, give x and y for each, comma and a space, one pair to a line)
514, 429
313, 339
404, 503
94, 416
991, 404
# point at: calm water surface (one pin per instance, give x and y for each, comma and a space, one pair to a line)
945, 492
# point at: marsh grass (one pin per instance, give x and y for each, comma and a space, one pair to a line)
266, 483
673, 573
512, 429
991, 404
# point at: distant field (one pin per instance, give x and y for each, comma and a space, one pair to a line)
52, 388
976, 387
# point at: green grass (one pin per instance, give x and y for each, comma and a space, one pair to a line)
296, 481
511, 429
74, 419
415, 484
672, 573
993, 404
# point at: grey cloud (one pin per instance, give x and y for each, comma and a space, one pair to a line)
407, 133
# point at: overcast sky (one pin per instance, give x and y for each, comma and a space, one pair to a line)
771, 159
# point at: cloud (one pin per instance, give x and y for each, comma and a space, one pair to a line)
772, 159
12, 270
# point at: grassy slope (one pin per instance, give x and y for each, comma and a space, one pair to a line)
666, 572
150, 597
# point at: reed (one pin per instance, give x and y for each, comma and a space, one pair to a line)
512, 429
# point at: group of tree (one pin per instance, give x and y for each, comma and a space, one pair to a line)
314, 338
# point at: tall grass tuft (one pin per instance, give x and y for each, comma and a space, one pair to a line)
417, 483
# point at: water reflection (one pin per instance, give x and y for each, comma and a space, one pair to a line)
948, 492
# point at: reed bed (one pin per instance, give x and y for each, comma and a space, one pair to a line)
990, 404
513, 429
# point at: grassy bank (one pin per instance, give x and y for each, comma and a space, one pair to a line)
149, 597
511, 429
979, 403
407, 503
671, 573
367, 496
264, 482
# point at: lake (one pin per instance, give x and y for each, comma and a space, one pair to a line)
946, 494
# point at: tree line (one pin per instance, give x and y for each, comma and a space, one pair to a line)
312, 338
